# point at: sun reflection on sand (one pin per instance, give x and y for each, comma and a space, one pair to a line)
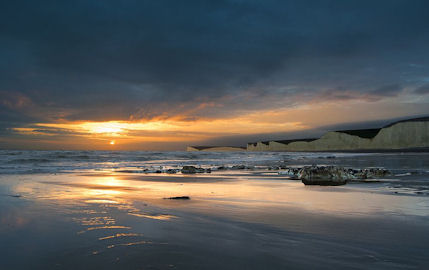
156, 216
119, 235
104, 201
122, 191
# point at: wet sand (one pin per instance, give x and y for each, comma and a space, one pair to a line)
234, 220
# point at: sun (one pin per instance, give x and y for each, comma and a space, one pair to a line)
112, 142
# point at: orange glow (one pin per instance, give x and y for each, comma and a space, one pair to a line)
138, 134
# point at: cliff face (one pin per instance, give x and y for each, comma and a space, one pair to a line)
397, 136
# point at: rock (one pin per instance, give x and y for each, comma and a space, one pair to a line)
200, 170
324, 175
292, 172
238, 167
189, 169
334, 176
377, 173
171, 171
193, 169
371, 173
178, 198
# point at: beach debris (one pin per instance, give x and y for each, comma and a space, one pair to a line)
178, 198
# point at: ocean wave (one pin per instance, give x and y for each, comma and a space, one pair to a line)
20, 161
29, 160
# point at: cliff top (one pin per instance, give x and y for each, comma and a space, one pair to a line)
420, 119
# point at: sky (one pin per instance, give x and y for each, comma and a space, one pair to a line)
160, 75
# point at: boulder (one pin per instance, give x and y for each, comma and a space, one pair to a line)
193, 169
189, 169
324, 175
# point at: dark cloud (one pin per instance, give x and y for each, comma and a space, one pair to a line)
388, 90
112, 60
422, 90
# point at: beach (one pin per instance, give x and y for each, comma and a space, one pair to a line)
111, 210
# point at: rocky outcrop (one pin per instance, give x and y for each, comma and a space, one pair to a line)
413, 133
333, 175
324, 176
193, 169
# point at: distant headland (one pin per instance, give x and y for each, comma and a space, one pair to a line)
404, 134
215, 148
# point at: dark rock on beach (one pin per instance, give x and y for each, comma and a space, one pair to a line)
193, 169
171, 171
178, 198
334, 176
324, 176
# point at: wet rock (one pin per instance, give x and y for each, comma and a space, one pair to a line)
178, 198
371, 173
333, 175
189, 169
238, 167
171, 171
292, 172
193, 169
324, 175
377, 173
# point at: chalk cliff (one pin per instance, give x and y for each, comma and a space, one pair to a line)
412, 133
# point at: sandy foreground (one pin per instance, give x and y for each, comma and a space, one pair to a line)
234, 220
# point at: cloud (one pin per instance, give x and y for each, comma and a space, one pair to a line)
422, 90
108, 60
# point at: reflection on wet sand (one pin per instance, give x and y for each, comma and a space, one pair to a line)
153, 216
119, 235
114, 215
104, 228
121, 193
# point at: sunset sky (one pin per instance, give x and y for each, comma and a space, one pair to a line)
160, 75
